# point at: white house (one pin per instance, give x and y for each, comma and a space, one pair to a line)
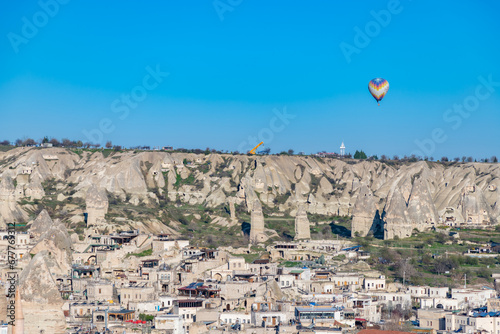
234, 317
371, 283
171, 322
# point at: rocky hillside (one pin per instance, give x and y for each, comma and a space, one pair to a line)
190, 193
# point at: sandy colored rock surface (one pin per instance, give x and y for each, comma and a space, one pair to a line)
281, 183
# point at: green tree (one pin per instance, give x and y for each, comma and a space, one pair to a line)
442, 265
55, 142
29, 142
146, 317
427, 259
484, 273
360, 155
472, 261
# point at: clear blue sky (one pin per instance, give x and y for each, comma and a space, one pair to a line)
231, 66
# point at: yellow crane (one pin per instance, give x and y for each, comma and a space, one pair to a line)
252, 151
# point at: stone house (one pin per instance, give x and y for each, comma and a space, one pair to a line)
170, 323
135, 294
374, 283
235, 317
100, 291
432, 318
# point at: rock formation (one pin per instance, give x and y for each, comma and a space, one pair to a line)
34, 189
396, 217
473, 206
365, 216
97, 206
232, 210
302, 229
257, 223
9, 210
282, 183
57, 242
419, 212
41, 299
41, 224
422, 213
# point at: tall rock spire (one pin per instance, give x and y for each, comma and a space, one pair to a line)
396, 218
97, 206
257, 223
422, 213
363, 214
302, 229
42, 301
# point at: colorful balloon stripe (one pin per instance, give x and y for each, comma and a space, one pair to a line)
378, 87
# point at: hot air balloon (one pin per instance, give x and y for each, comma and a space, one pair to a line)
378, 87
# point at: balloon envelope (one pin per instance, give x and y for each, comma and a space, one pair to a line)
378, 87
